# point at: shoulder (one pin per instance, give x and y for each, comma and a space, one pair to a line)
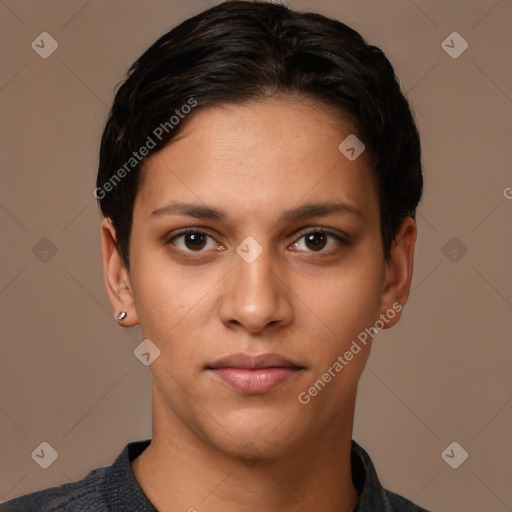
400, 504
85, 494
103, 489
373, 497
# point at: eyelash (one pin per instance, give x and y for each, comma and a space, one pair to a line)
343, 240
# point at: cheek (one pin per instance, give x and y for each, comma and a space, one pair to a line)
172, 303
340, 308
347, 298
154, 287
163, 301
347, 306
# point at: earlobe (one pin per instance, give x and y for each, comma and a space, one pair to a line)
399, 268
117, 279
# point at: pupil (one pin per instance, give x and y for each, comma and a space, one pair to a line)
194, 241
316, 241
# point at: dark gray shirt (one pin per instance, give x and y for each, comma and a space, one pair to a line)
115, 489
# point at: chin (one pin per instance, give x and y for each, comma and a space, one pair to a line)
255, 434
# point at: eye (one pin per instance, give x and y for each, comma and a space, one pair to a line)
193, 240
319, 240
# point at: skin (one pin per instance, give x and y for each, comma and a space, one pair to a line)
214, 448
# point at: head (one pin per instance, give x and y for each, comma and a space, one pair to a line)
232, 126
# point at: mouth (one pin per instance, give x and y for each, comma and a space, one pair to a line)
254, 375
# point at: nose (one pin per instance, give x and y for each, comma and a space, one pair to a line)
254, 296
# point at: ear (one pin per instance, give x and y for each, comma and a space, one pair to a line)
117, 279
398, 272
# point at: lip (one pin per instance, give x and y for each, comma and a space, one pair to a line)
254, 374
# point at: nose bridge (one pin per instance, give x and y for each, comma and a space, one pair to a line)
254, 296
256, 276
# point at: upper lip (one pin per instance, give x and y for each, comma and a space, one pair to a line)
253, 361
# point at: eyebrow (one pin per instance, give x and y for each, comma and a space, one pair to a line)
296, 214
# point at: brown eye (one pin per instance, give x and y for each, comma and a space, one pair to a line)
320, 241
316, 241
193, 241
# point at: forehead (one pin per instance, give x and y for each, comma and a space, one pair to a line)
259, 157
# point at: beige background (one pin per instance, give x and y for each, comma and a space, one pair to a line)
68, 373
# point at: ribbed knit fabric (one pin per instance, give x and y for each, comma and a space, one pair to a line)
115, 489
106, 489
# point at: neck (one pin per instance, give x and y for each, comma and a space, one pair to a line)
181, 471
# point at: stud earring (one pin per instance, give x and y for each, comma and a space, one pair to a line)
122, 315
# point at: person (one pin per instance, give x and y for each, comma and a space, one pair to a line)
259, 175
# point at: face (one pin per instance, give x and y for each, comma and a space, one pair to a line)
256, 261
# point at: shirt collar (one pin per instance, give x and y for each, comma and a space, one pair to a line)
372, 496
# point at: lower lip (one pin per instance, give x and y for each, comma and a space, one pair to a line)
255, 381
